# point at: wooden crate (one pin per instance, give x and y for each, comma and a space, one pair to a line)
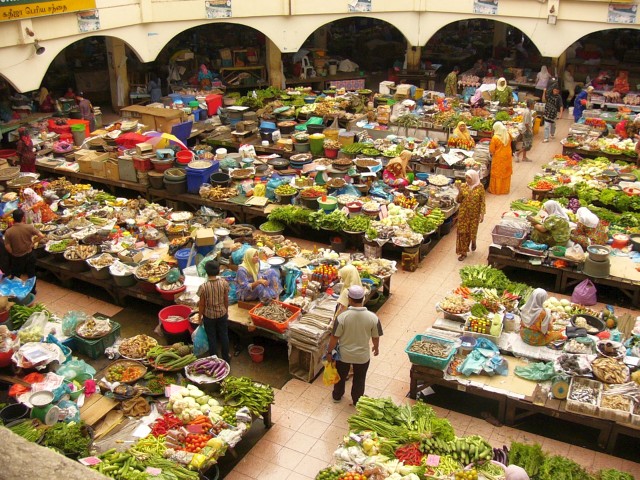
306, 365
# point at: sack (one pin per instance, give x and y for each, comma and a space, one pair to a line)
330, 375
585, 293
200, 342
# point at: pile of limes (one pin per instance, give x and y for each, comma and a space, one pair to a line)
466, 475
330, 473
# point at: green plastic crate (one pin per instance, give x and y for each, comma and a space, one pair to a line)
95, 348
428, 360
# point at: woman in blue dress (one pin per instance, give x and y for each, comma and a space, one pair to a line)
254, 284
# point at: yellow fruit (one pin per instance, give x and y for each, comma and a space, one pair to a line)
611, 322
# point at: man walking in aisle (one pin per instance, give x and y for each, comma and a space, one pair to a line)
18, 240
552, 111
351, 332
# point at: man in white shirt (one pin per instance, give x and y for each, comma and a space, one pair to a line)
352, 332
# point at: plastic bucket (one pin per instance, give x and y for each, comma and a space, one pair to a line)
124, 280
170, 295
175, 310
78, 136
467, 344
13, 412
220, 179
184, 157
256, 352
182, 257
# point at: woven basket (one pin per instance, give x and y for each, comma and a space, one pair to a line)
9, 173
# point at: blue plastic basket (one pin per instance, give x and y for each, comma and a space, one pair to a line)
428, 360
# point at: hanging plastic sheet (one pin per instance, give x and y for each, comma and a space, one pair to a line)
14, 287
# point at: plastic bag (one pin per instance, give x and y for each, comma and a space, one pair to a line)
73, 368
203, 262
200, 342
536, 372
16, 287
33, 328
585, 293
230, 277
348, 189
238, 255
330, 375
71, 320
575, 252
70, 411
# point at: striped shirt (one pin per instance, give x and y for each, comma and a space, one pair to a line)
214, 293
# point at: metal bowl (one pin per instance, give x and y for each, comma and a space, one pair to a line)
598, 253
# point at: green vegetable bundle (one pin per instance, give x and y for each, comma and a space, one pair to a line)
558, 467
329, 221
129, 466
244, 392
503, 116
21, 313
529, 457
357, 223
290, 215
73, 439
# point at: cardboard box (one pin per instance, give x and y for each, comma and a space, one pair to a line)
92, 163
142, 148
205, 237
130, 256
112, 172
81, 153
166, 124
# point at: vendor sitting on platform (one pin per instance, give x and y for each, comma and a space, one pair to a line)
554, 229
589, 230
503, 94
395, 173
254, 284
461, 138
535, 321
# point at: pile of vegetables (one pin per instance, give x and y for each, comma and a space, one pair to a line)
127, 465
21, 313
70, 438
244, 391
191, 402
488, 277
290, 215
330, 221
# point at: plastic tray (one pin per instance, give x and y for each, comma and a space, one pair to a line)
428, 360
272, 325
583, 407
510, 237
95, 348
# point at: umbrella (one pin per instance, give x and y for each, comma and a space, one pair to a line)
164, 140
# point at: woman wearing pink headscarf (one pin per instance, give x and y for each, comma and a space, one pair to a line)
26, 151
470, 214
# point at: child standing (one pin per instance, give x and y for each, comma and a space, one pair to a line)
214, 310
527, 131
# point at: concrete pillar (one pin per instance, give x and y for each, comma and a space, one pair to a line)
118, 78
413, 57
320, 38
499, 34
274, 65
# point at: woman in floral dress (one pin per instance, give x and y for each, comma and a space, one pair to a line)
470, 214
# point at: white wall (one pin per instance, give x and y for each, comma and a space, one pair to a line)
148, 25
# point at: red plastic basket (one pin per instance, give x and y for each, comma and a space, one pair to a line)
179, 311
272, 325
142, 164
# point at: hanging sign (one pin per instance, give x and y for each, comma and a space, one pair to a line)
622, 13
88, 21
218, 8
359, 6
485, 7
18, 9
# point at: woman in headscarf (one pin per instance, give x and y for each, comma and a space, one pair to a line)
542, 81
503, 94
45, 101
26, 151
395, 173
554, 229
470, 214
36, 208
205, 77
502, 160
581, 101
536, 327
589, 229
252, 284
461, 138
621, 83
349, 276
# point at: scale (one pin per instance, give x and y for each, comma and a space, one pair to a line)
321, 175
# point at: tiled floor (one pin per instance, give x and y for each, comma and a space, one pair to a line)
309, 426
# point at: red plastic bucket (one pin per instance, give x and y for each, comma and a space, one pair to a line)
256, 352
8, 152
170, 296
184, 157
175, 310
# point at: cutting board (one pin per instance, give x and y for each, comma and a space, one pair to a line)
95, 408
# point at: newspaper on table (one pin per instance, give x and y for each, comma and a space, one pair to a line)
311, 329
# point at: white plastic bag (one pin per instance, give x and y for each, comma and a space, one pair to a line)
575, 252
33, 328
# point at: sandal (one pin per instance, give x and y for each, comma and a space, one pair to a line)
461, 258
473, 246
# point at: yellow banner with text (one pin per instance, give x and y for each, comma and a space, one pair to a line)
19, 9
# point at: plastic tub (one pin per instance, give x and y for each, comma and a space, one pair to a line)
170, 295
220, 179
182, 257
162, 165
467, 343
156, 180
197, 176
256, 352
13, 412
183, 157
175, 310
175, 188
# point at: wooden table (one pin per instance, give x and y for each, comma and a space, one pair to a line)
593, 154
620, 429
110, 184
503, 260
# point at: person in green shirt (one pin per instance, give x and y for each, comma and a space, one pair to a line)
451, 83
554, 229
503, 94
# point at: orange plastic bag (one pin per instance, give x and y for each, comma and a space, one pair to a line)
330, 375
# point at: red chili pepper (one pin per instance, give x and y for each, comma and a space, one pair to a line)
410, 454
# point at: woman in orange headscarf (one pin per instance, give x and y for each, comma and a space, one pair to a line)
395, 173
502, 160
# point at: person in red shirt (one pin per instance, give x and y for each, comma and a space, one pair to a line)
26, 151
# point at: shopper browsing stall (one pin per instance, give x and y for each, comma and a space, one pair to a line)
589, 229
18, 240
554, 229
451, 83
352, 332
395, 173
470, 214
536, 326
45, 101
349, 276
254, 284
25, 151
552, 111
502, 160
213, 308
526, 128
581, 101
86, 110
543, 77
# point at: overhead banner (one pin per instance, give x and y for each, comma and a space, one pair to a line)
18, 9
485, 7
359, 6
622, 13
218, 8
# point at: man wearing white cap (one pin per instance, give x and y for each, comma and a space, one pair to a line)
352, 332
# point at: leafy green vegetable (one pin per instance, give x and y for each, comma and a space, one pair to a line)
330, 221
503, 116
529, 457
290, 215
613, 474
558, 467
479, 310
69, 438
357, 223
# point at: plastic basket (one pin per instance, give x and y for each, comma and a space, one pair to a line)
95, 348
197, 176
428, 360
142, 164
272, 325
510, 237
583, 408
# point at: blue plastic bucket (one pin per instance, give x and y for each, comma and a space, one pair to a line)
422, 176
205, 250
188, 98
182, 257
175, 97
